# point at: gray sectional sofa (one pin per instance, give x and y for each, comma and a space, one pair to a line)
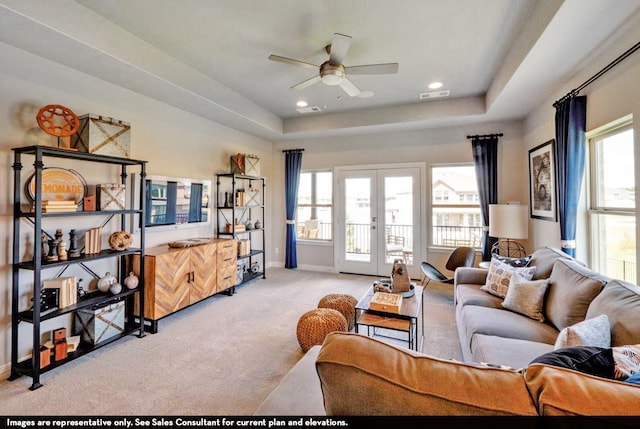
349, 371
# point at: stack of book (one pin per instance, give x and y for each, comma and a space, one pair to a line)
58, 206
93, 241
67, 290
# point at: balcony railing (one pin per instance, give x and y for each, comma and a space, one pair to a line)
621, 269
358, 235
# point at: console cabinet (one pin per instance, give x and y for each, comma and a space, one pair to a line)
178, 277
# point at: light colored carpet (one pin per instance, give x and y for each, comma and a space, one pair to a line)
221, 356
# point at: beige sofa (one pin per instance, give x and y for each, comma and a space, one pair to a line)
351, 374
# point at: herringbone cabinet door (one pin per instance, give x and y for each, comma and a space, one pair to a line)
203, 268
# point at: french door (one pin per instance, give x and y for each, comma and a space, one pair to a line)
379, 218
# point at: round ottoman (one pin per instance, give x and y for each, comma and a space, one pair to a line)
345, 304
314, 325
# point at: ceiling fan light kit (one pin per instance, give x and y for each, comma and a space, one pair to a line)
332, 72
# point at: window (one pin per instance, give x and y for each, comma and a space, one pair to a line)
612, 205
315, 206
455, 211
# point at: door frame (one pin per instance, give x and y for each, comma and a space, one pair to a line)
420, 248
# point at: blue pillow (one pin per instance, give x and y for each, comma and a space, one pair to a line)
634, 379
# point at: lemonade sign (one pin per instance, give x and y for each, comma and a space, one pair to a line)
59, 184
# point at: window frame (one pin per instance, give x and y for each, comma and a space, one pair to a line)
314, 205
596, 207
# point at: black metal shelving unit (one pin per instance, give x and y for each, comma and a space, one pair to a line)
38, 265
253, 210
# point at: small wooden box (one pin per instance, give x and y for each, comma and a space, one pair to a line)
59, 335
60, 350
111, 196
45, 356
89, 203
387, 302
102, 135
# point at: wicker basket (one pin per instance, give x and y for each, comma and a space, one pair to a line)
345, 304
314, 325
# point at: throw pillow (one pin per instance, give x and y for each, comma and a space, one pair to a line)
514, 262
499, 276
591, 332
526, 296
596, 361
634, 379
627, 361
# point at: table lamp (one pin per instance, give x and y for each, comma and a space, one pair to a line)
508, 222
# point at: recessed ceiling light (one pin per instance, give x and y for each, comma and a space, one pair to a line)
435, 85
302, 103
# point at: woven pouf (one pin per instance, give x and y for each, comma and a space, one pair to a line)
345, 304
314, 325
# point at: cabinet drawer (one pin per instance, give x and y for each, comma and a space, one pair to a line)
227, 250
226, 277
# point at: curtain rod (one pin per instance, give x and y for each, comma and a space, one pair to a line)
292, 150
593, 78
485, 136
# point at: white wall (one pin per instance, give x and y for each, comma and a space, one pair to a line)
432, 146
610, 97
173, 142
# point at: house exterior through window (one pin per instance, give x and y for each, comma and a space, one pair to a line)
455, 206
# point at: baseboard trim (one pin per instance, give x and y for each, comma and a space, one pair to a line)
305, 267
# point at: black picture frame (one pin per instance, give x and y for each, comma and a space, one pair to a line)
543, 195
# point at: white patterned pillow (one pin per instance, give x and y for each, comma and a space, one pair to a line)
626, 361
499, 276
526, 296
595, 332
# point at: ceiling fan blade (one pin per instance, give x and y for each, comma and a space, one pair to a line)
292, 61
387, 68
339, 47
307, 83
349, 87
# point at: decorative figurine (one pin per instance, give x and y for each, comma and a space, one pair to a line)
43, 240
62, 251
73, 244
226, 200
258, 224
58, 235
53, 251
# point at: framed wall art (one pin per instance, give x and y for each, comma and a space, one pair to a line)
542, 182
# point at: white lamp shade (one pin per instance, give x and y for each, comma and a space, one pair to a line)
509, 221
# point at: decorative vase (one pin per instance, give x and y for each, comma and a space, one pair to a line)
258, 224
248, 225
131, 281
115, 288
104, 283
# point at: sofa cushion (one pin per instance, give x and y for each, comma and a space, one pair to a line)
560, 391
506, 351
590, 332
620, 301
526, 297
543, 259
590, 360
499, 276
468, 294
355, 369
492, 321
572, 287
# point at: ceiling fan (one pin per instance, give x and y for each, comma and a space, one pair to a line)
332, 72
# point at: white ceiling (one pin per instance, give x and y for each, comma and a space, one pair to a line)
498, 58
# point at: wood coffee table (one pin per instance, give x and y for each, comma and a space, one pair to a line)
406, 320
